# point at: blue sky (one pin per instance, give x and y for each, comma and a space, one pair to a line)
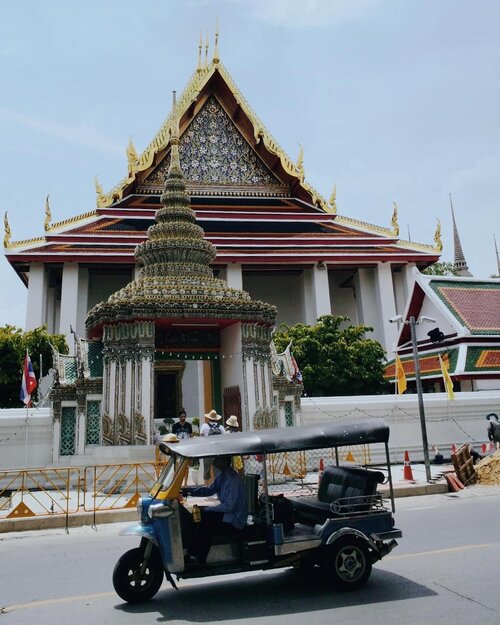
392, 100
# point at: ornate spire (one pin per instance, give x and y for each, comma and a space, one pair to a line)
175, 162
394, 220
7, 233
48, 215
458, 255
216, 58
200, 67
206, 51
437, 236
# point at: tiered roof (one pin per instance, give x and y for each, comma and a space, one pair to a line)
470, 312
250, 198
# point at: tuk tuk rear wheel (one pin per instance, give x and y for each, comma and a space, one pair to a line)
349, 563
129, 584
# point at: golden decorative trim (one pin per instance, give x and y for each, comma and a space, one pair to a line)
48, 215
7, 232
73, 220
333, 200
437, 237
422, 247
394, 220
16, 244
162, 138
356, 223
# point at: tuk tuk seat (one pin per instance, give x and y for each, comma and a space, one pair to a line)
337, 482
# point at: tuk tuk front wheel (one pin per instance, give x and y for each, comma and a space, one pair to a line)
349, 563
132, 585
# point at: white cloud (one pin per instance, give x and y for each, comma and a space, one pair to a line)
299, 14
81, 134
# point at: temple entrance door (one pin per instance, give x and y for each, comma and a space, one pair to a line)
166, 400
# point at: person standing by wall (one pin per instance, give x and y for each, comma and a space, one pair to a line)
211, 427
183, 429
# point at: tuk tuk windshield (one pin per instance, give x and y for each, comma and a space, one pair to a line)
167, 475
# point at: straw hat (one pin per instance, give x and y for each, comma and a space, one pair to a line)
232, 421
213, 416
170, 438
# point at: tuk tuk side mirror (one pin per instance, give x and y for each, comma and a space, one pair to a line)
160, 511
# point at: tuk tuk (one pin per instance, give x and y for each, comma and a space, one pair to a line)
340, 523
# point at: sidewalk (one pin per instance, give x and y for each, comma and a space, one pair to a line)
402, 488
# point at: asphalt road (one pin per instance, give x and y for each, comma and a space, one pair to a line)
445, 572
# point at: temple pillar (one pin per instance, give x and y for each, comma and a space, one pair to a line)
37, 297
81, 420
258, 410
387, 331
234, 276
316, 293
69, 302
128, 384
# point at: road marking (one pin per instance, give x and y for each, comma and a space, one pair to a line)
43, 602
435, 551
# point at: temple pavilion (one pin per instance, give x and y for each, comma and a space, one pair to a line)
261, 232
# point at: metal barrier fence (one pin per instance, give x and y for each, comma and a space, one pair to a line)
65, 491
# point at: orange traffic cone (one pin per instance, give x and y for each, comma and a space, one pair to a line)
407, 472
483, 448
321, 465
453, 449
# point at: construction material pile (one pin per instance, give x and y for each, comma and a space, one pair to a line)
488, 469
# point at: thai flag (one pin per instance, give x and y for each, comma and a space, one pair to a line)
297, 372
28, 383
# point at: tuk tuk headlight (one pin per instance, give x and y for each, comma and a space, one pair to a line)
140, 506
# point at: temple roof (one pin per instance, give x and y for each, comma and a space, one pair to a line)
467, 311
250, 198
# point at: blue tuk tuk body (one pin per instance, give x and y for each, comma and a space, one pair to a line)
344, 528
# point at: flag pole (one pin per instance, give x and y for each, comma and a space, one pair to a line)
26, 439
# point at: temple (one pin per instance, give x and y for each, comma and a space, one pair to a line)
268, 248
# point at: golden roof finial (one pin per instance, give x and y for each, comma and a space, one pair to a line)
300, 160
437, 237
48, 215
132, 157
7, 232
216, 44
200, 47
394, 219
333, 199
175, 162
206, 51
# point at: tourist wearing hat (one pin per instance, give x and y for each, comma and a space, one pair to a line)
232, 424
211, 427
232, 427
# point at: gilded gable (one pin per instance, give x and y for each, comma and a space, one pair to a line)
214, 156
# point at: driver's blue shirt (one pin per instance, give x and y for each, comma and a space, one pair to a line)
232, 496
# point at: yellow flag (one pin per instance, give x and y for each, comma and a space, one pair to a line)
448, 384
400, 375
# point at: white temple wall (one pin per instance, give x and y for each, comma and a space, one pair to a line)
386, 307
190, 389
69, 302
233, 276
25, 442
316, 293
230, 366
103, 283
283, 289
82, 304
343, 301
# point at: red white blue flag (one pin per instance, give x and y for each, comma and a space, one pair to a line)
28, 383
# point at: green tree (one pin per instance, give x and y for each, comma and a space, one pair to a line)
335, 360
13, 345
441, 269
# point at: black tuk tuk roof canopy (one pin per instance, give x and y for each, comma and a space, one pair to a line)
299, 438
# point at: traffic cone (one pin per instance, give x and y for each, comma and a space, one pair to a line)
321, 469
407, 472
483, 448
453, 449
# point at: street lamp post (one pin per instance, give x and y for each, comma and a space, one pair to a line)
421, 410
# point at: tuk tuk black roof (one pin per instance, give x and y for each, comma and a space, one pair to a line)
336, 433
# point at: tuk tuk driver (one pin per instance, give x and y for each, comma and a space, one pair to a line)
228, 517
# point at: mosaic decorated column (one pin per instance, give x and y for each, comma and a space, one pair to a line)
127, 417
258, 411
